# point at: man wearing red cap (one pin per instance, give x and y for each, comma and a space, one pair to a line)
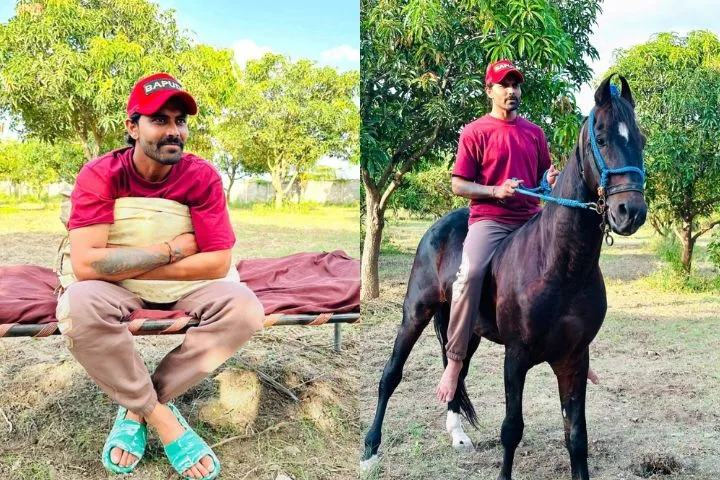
492, 151
155, 169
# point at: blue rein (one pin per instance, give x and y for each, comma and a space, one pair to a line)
544, 190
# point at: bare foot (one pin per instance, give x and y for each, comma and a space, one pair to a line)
169, 429
119, 456
445, 390
592, 376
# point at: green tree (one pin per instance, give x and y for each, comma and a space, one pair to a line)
676, 86
30, 163
423, 66
287, 115
67, 68
427, 192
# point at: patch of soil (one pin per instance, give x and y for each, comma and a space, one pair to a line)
657, 464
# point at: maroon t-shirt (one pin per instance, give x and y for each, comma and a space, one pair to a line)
492, 150
192, 182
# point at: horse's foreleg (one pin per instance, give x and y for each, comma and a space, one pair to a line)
415, 319
516, 368
453, 423
572, 382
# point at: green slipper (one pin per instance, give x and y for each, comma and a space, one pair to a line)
188, 449
128, 435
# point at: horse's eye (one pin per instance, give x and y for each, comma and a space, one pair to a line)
601, 142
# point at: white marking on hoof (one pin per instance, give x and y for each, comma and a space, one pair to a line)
369, 464
623, 130
460, 440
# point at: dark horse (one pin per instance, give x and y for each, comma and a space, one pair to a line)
545, 297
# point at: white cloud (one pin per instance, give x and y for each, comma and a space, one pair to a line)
342, 53
246, 49
623, 24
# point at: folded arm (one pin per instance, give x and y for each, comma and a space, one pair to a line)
93, 259
201, 266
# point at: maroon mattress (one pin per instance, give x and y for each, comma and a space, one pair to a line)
299, 283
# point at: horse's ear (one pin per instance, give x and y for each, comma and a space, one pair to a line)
625, 93
602, 94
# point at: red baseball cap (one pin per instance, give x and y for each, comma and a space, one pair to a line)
498, 70
150, 93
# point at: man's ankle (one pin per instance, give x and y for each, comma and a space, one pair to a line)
159, 414
454, 365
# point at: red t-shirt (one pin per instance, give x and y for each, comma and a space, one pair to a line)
192, 182
492, 150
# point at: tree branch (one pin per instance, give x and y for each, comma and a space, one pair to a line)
678, 235
370, 185
397, 156
706, 229
708, 203
290, 183
407, 165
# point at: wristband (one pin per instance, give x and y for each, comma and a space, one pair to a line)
170, 256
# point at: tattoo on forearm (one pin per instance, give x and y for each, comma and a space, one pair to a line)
128, 259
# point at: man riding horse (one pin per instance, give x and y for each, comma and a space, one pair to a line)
493, 152
543, 294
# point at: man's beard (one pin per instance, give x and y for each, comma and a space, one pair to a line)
153, 151
512, 106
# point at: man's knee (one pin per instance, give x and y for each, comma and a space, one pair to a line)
245, 307
75, 305
251, 309
469, 275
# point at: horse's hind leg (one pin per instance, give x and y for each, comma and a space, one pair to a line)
572, 382
460, 401
416, 316
516, 367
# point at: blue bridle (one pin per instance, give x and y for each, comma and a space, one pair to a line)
544, 191
605, 190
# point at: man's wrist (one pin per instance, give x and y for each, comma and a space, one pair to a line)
170, 253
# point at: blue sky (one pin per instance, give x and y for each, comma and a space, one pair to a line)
322, 30
327, 31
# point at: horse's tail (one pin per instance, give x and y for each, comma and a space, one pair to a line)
441, 320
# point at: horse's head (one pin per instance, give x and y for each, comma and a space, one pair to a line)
612, 160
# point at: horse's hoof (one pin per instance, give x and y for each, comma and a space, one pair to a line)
369, 464
461, 442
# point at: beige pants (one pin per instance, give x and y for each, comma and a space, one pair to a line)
482, 239
90, 314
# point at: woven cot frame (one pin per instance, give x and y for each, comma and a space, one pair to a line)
141, 326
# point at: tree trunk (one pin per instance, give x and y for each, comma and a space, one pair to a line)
688, 243
276, 179
278, 197
86, 149
229, 187
374, 224
99, 139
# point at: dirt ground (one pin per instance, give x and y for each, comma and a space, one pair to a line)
54, 420
653, 415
